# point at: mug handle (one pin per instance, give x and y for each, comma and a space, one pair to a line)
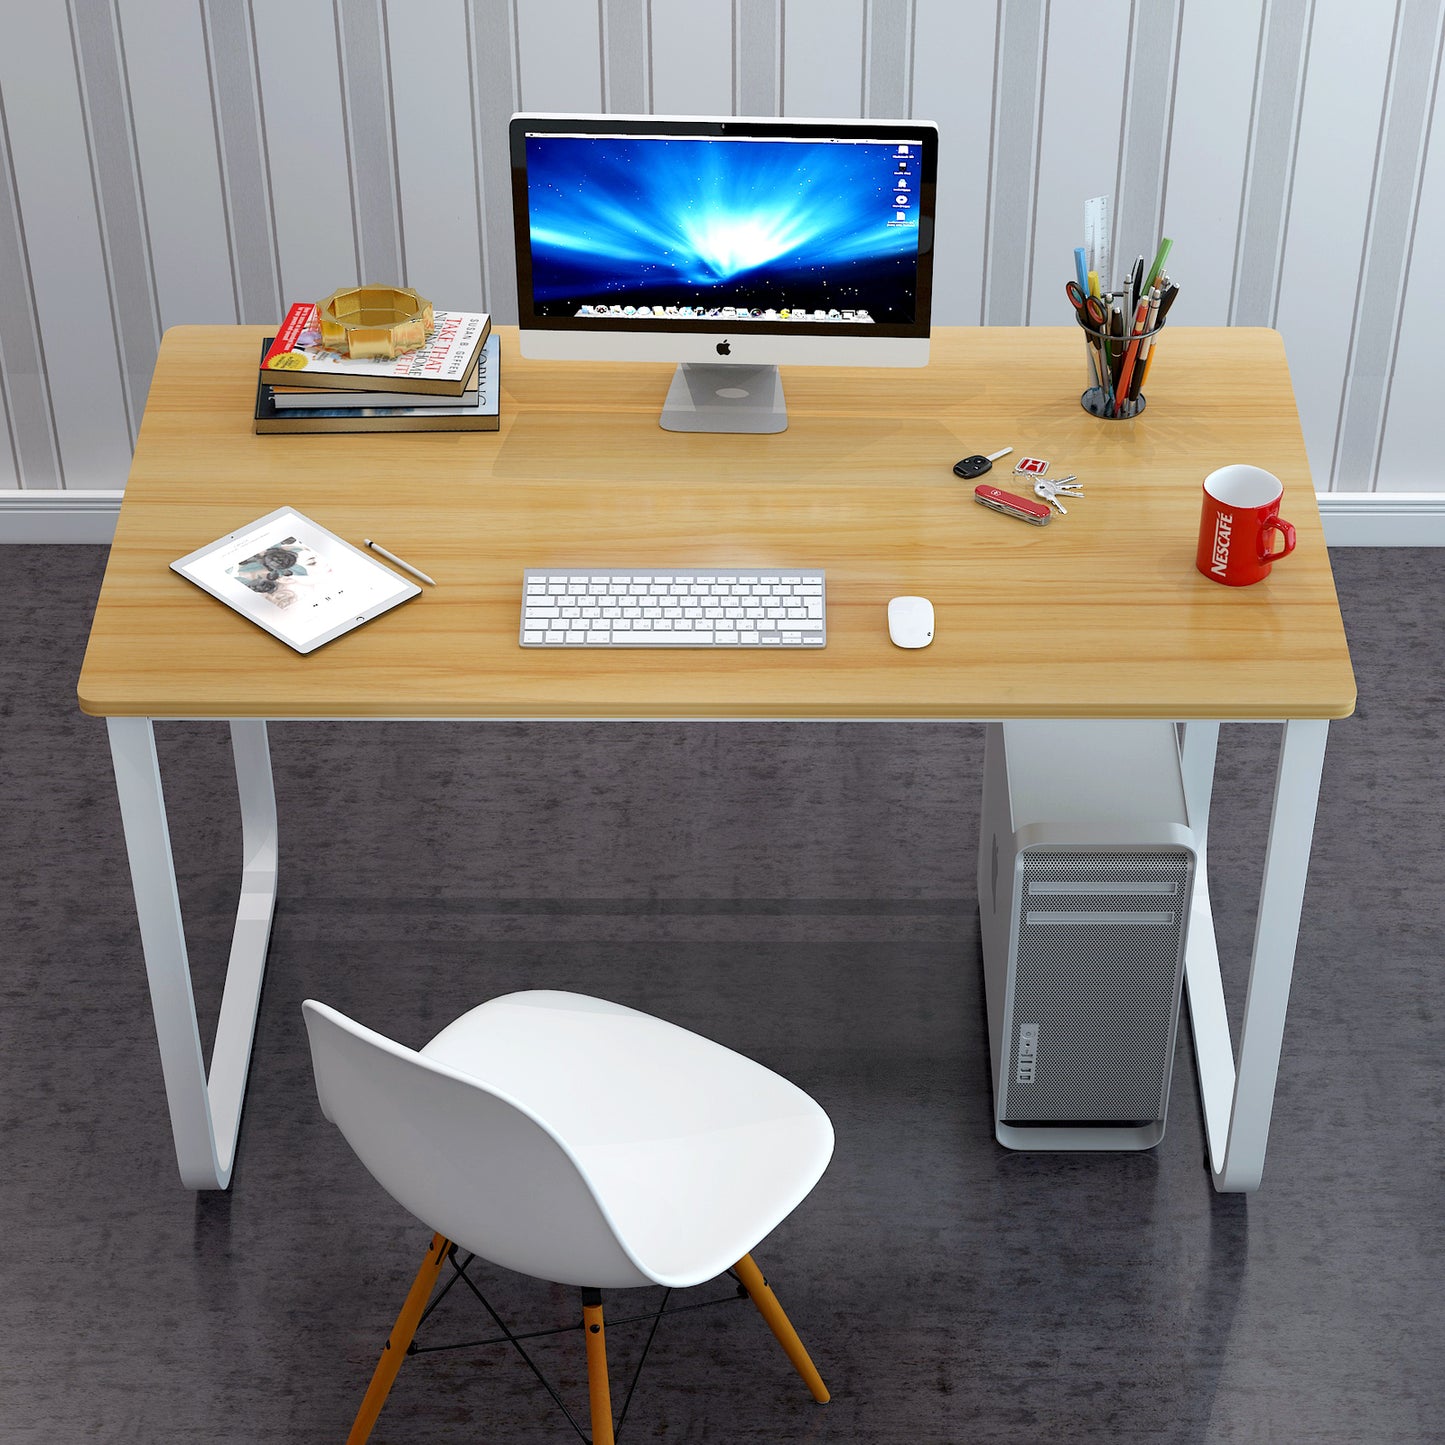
1277, 524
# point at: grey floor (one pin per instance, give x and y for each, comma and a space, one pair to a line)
949, 1290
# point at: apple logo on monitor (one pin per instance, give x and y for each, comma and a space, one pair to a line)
724, 348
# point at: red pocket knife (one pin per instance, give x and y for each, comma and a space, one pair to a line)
1024, 508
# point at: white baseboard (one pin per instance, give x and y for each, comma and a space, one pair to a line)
1383, 519
1351, 519
52, 515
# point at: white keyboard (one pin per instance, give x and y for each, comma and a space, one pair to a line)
665, 607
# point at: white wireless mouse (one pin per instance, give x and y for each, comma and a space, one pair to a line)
910, 621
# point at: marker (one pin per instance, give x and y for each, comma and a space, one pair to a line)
1158, 266
405, 566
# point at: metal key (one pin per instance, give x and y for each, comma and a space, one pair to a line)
1049, 491
1046, 491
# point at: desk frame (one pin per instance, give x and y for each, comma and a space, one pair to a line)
206, 1109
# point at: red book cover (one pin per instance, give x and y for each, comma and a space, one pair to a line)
297, 358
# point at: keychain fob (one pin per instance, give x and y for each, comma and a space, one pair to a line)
971, 467
976, 466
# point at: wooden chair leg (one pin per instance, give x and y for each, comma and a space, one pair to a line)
598, 1390
402, 1331
752, 1280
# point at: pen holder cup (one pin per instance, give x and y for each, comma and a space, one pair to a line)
1117, 367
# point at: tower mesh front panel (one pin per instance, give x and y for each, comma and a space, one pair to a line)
1097, 976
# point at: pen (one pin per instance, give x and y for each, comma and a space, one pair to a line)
405, 566
1116, 344
1166, 300
1141, 364
1106, 380
1141, 315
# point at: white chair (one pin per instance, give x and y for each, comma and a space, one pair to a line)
576, 1141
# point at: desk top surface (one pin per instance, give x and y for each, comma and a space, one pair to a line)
1099, 614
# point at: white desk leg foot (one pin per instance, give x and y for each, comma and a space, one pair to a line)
204, 1118
1238, 1104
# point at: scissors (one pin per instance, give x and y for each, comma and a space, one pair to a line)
1090, 310
1093, 315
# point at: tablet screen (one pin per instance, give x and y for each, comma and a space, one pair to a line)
296, 579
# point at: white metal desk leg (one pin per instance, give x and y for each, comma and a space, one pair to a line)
236, 1026
1209, 1024
204, 1119
1238, 1104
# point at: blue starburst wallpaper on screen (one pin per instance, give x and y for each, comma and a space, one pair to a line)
656, 221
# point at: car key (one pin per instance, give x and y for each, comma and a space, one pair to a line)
971, 467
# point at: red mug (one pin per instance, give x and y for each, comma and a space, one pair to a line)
1238, 526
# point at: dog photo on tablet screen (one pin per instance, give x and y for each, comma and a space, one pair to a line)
284, 573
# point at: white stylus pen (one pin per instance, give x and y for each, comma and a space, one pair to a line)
405, 566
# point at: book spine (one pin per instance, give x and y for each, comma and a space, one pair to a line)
301, 315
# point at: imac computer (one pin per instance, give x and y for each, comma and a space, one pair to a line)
729, 245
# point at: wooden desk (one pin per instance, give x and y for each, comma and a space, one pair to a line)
1100, 614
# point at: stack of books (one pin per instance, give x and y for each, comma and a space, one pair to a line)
452, 384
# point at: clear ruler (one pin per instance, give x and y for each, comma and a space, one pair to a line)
1096, 238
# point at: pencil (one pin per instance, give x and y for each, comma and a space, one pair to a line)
1126, 374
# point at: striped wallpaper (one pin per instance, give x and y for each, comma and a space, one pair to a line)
166, 161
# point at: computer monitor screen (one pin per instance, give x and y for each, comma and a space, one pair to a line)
728, 241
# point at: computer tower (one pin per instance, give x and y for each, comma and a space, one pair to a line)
1085, 873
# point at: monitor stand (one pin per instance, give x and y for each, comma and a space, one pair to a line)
725, 399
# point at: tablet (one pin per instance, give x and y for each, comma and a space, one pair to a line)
291, 576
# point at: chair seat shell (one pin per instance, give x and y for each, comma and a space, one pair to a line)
575, 1139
